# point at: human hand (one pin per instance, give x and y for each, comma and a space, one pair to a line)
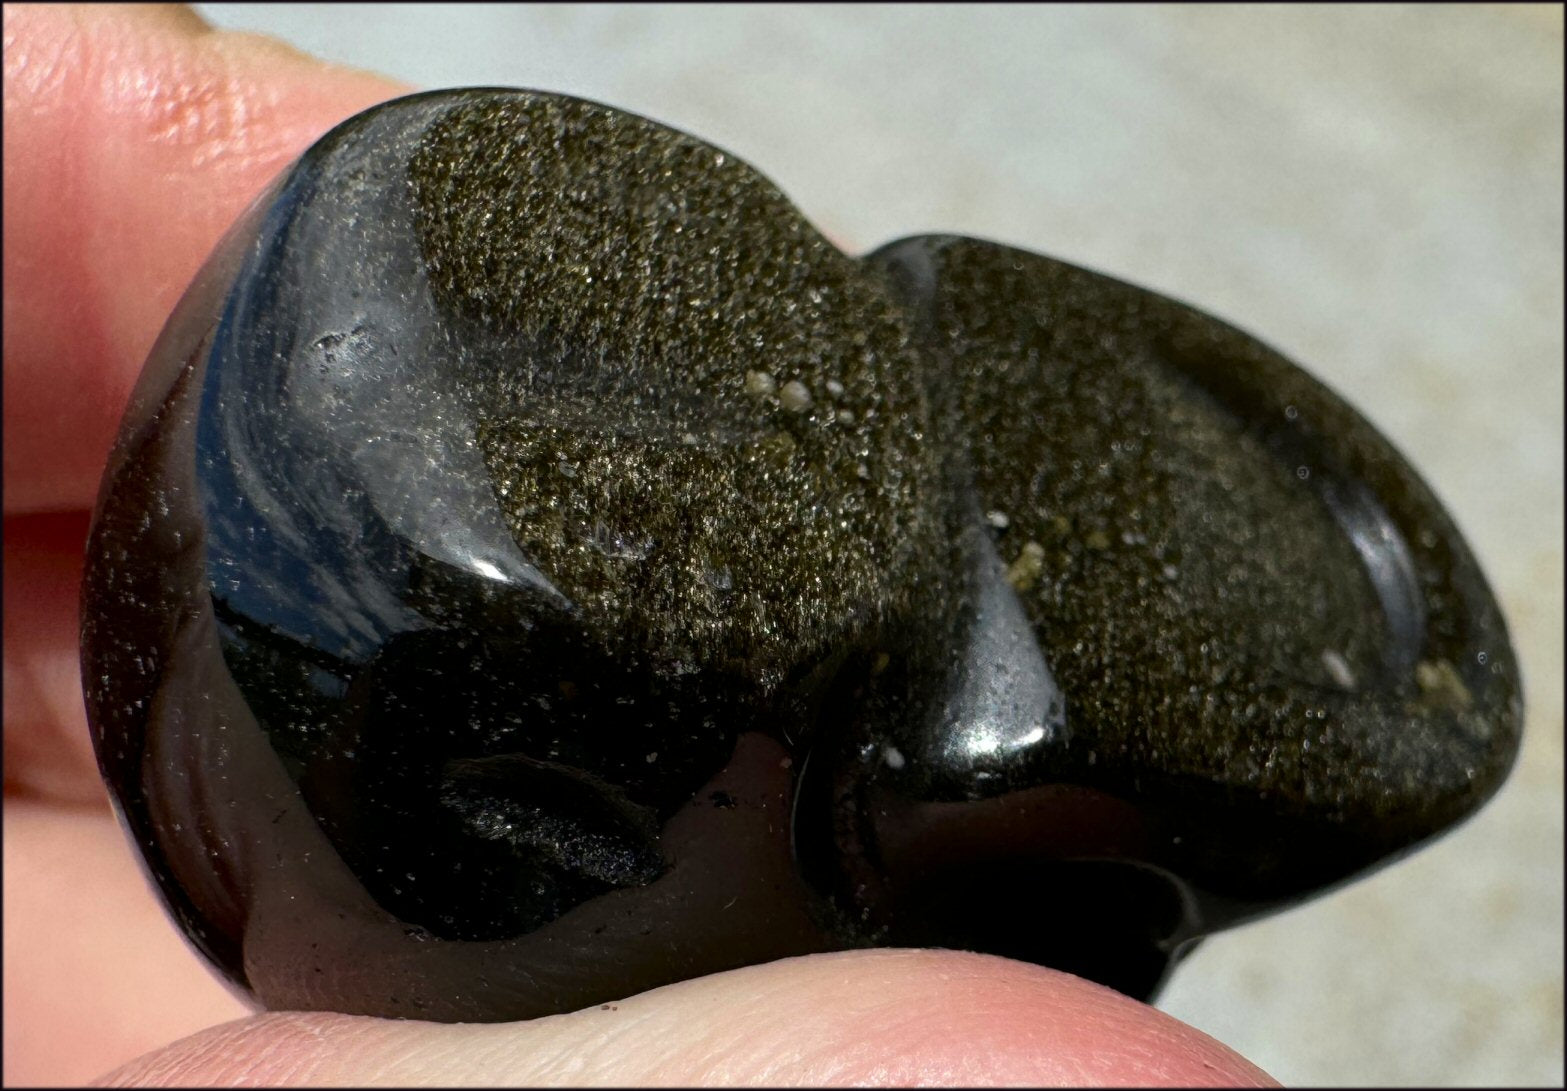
134, 137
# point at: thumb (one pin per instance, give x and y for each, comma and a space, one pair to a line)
888, 1018
134, 135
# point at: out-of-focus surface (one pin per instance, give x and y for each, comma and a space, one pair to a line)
1376, 191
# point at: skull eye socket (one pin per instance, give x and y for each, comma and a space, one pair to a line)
481, 787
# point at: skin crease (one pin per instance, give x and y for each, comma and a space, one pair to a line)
134, 135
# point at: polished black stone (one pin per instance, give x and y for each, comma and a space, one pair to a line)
536, 567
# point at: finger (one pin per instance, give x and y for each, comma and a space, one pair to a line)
134, 135
94, 972
871, 1018
48, 753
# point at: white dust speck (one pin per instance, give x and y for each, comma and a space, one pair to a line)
1338, 669
795, 396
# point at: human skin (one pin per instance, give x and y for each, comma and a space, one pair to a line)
133, 137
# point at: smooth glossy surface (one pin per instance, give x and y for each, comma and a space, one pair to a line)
538, 567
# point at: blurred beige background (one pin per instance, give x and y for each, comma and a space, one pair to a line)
1377, 191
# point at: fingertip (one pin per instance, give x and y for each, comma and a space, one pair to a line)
890, 1018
